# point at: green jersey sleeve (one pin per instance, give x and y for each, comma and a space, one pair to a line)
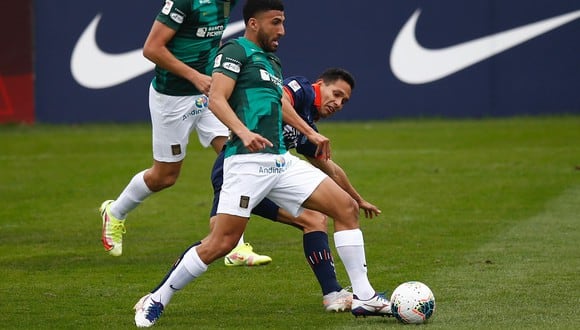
230, 59
174, 12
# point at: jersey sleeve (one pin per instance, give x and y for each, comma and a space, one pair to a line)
302, 96
173, 13
230, 59
305, 147
296, 92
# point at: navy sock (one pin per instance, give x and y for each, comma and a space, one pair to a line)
319, 257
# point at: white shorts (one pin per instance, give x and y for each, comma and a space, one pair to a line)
285, 179
173, 118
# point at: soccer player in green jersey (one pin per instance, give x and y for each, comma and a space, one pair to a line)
247, 95
183, 42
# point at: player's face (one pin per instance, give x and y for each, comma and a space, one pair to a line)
270, 29
333, 97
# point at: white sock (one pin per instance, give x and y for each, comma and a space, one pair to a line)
350, 247
186, 269
241, 241
133, 195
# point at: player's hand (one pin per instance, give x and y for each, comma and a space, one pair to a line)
322, 145
202, 82
371, 211
254, 142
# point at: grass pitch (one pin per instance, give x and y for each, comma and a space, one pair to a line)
485, 212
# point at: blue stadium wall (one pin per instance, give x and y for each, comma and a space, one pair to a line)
445, 58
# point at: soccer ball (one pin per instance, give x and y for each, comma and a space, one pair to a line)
412, 302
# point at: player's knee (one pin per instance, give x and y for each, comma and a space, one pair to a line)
355, 206
351, 207
161, 183
348, 218
169, 180
214, 247
314, 221
158, 180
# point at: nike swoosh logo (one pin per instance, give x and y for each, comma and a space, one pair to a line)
414, 64
93, 68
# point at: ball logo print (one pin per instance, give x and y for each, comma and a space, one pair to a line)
413, 302
280, 161
201, 102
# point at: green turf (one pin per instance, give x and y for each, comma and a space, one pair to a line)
483, 211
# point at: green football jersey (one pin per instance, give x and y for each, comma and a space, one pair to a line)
257, 95
199, 25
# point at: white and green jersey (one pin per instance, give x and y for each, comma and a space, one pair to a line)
257, 95
199, 25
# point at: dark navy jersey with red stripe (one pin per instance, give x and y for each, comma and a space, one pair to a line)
302, 95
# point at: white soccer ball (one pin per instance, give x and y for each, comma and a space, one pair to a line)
412, 302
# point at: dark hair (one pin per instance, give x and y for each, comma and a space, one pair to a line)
334, 74
252, 7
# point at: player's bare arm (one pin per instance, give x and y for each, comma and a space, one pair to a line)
335, 172
219, 94
291, 117
156, 51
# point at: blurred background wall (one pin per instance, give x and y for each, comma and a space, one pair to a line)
16, 73
411, 58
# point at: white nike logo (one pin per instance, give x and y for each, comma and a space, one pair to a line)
95, 69
414, 64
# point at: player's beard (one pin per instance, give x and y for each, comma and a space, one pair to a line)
266, 42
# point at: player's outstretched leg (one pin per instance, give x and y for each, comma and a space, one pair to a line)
318, 255
150, 307
329, 199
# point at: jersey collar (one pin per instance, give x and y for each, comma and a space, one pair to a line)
317, 100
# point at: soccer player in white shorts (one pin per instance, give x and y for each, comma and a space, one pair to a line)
246, 95
285, 179
171, 129
183, 53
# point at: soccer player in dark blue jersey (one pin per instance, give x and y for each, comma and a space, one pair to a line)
311, 101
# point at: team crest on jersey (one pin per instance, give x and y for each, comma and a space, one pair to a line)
294, 85
167, 8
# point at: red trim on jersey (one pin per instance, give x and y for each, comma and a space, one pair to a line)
289, 94
317, 96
